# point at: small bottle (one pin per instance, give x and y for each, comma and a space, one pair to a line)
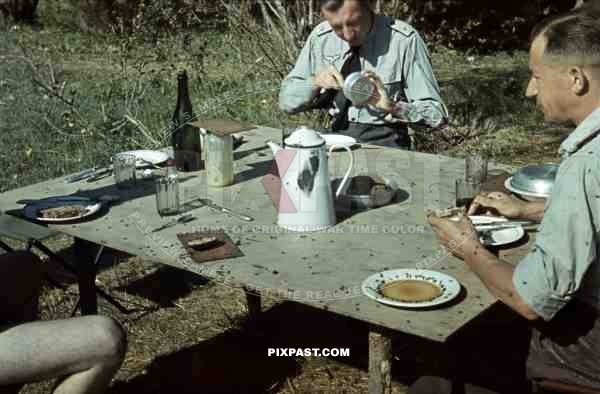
185, 138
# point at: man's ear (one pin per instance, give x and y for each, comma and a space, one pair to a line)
579, 80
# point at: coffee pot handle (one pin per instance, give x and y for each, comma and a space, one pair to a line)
344, 183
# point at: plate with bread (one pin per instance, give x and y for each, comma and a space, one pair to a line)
58, 210
411, 288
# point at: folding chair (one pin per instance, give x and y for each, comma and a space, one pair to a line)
33, 235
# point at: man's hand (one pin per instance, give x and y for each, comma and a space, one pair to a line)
328, 78
498, 203
459, 237
379, 98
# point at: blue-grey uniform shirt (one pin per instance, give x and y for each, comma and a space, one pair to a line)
564, 261
393, 50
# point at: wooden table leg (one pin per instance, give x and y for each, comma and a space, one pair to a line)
253, 300
380, 361
86, 275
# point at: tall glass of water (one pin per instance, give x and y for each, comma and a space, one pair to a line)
167, 196
466, 191
476, 168
124, 170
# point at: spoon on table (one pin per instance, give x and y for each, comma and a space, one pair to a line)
182, 219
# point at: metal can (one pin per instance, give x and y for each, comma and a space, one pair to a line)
358, 88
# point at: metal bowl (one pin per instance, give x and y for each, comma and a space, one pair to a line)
365, 200
537, 179
358, 88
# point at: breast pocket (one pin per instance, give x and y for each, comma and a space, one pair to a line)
391, 75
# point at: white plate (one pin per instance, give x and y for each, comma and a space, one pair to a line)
31, 210
144, 157
450, 286
339, 140
502, 236
509, 186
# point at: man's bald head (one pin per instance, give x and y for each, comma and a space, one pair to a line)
564, 60
572, 38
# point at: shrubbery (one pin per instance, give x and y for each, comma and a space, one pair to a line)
476, 24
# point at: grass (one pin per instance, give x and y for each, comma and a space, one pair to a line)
69, 100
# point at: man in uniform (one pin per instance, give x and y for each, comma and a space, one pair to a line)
355, 39
558, 283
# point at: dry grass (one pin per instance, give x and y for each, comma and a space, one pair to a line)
189, 336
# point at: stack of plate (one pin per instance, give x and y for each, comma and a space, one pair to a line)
533, 182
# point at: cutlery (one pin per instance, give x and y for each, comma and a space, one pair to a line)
80, 175
67, 199
99, 174
28, 201
501, 225
181, 219
209, 203
149, 163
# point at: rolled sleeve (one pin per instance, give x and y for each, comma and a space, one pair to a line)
297, 88
421, 87
535, 287
565, 247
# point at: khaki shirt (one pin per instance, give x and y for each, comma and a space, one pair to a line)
563, 263
393, 50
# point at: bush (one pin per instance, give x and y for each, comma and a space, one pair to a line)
480, 26
21, 10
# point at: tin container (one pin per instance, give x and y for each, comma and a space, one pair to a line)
535, 178
219, 159
357, 88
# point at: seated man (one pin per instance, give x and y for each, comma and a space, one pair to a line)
353, 38
84, 352
559, 280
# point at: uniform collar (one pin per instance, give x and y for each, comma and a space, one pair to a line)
582, 135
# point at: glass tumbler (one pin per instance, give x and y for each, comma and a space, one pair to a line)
124, 170
476, 168
466, 191
167, 196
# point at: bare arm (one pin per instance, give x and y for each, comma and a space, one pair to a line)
497, 276
508, 205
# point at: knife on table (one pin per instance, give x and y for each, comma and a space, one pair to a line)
209, 203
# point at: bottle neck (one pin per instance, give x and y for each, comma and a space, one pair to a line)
183, 96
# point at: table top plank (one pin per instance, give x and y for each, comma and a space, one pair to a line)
324, 269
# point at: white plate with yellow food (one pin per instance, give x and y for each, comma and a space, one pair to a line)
58, 210
411, 288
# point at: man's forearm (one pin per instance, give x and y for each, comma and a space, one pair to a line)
425, 112
497, 276
296, 95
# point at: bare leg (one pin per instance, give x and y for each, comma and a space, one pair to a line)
87, 350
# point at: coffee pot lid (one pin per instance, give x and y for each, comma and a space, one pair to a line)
303, 137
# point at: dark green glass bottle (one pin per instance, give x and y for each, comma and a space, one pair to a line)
185, 138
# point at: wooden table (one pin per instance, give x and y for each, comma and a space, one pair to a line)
324, 270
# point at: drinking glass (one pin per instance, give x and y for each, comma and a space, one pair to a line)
476, 168
167, 196
466, 191
124, 169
